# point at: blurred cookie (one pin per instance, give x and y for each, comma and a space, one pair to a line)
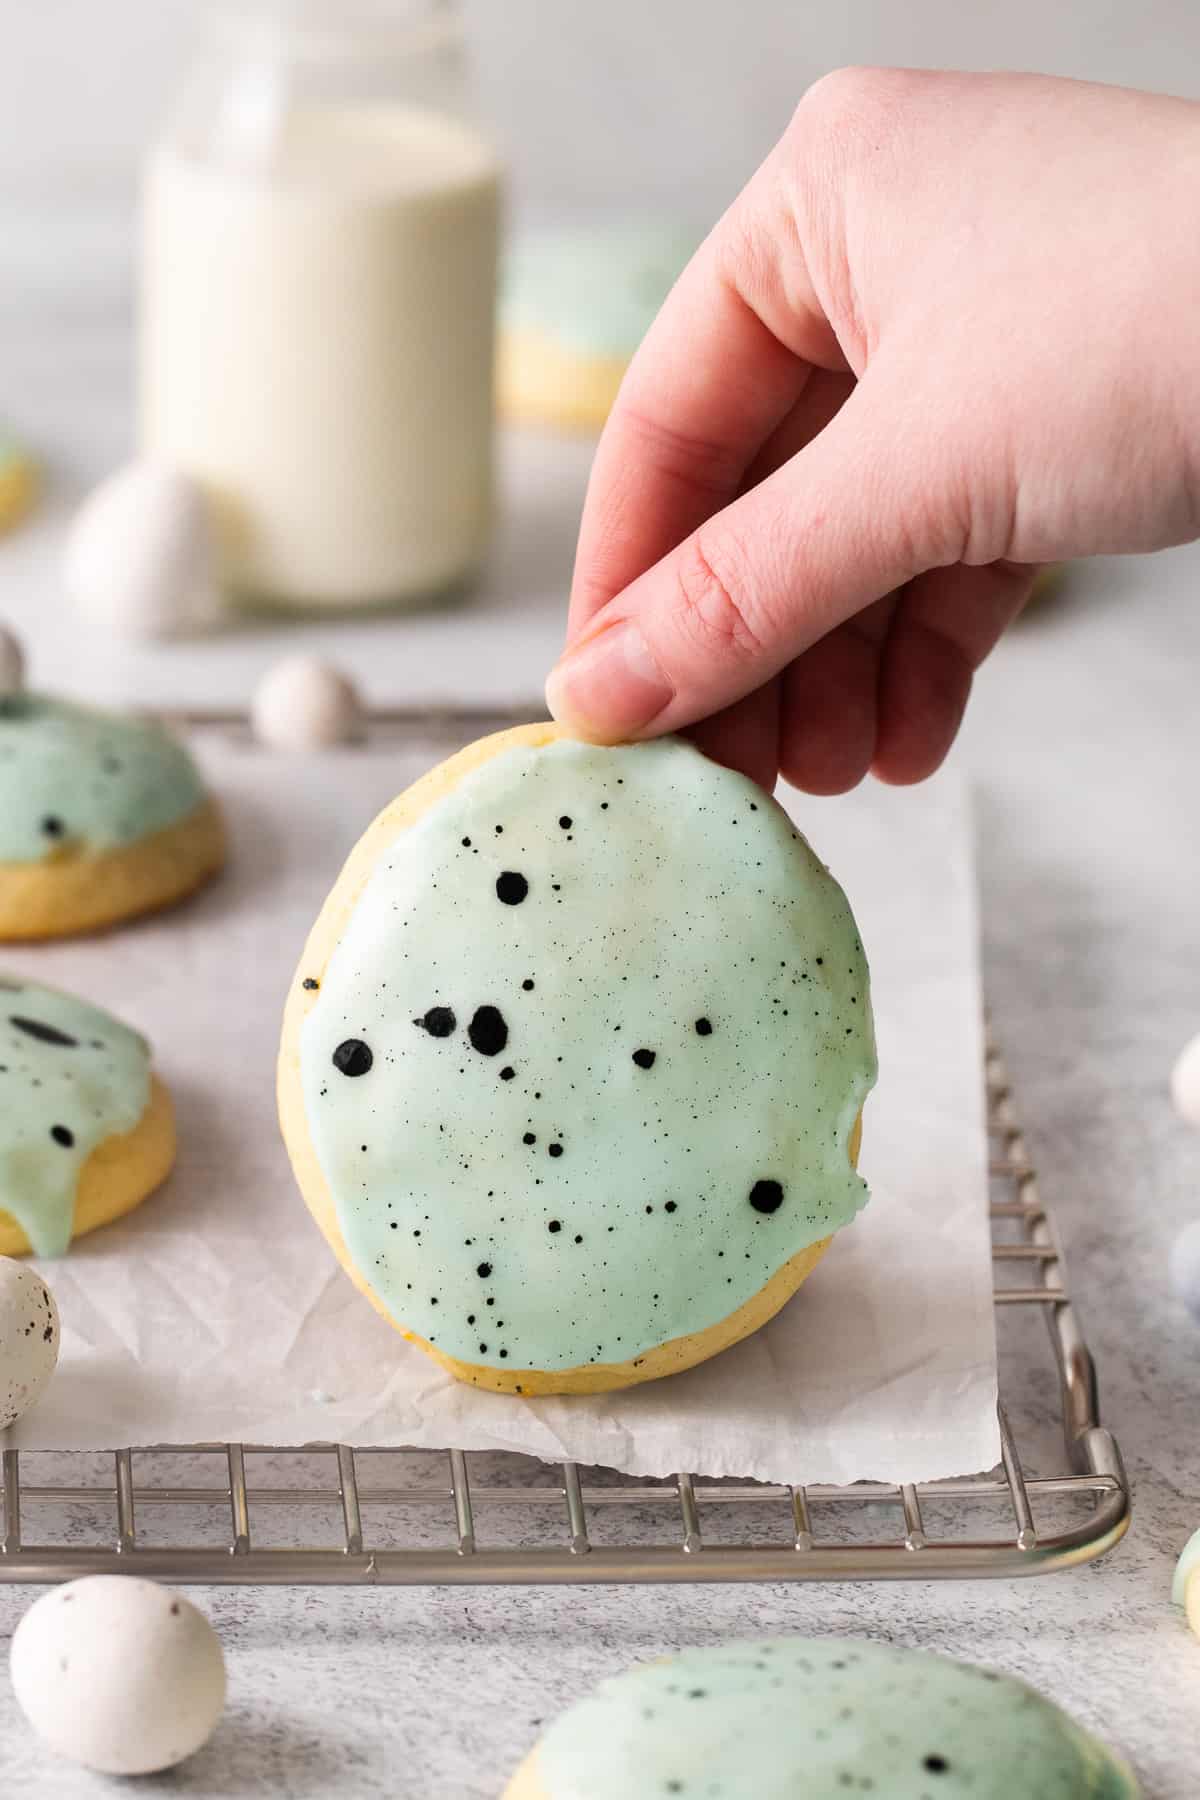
86, 1128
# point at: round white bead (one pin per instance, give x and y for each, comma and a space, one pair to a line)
28, 1338
1185, 1082
302, 703
119, 1674
12, 662
140, 557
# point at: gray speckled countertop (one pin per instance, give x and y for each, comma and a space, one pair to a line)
1085, 742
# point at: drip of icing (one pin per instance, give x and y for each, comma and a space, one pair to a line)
75, 775
823, 1718
595, 291
682, 1168
70, 1076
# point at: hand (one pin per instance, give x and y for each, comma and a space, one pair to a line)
945, 334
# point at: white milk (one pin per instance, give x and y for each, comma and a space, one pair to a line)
317, 348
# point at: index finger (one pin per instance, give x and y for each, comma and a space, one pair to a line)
722, 366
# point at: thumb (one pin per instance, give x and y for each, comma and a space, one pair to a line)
852, 516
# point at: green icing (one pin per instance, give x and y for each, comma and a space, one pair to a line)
594, 291
822, 1718
75, 775
70, 1076
554, 1201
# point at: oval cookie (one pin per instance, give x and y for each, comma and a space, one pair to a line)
86, 1128
573, 1062
102, 816
821, 1717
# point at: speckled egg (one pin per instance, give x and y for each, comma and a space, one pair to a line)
819, 1717
1185, 1082
1183, 1266
119, 1674
302, 703
140, 555
28, 1339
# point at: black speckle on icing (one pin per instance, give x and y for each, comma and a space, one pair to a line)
308, 982
766, 1196
62, 1135
52, 826
511, 887
644, 1059
352, 1057
506, 1074
45, 1034
936, 1765
704, 1027
439, 1021
484, 1270
565, 822
487, 1031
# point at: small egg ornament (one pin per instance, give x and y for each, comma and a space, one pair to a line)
140, 555
28, 1339
119, 1674
1185, 1082
1183, 1266
12, 663
302, 703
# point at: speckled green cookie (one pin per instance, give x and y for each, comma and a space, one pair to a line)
86, 1128
817, 1718
102, 816
573, 1062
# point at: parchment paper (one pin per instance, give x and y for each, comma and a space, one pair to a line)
215, 1312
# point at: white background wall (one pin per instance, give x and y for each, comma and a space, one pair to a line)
599, 102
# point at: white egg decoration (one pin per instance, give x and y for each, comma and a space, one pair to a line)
1183, 1267
12, 663
119, 1674
140, 554
28, 1338
302, 703
1185, 1082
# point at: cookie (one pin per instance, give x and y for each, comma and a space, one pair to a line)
574, 306
818, 1717
573, 1062
87, 1129
20, 479
102, 816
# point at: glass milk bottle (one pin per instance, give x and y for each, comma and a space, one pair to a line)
318, 286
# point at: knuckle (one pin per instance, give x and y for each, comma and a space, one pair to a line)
716, 606
849, 104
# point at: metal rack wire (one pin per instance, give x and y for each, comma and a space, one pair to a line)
564, 1519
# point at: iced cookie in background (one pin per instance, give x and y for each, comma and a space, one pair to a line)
574, 306
821, 1717
29, 1339
574, 1060
103, 815
87, 1129
20, 480
118, 1674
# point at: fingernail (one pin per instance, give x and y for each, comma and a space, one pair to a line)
610, 687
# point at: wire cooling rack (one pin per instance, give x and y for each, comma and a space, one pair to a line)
407, 1517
